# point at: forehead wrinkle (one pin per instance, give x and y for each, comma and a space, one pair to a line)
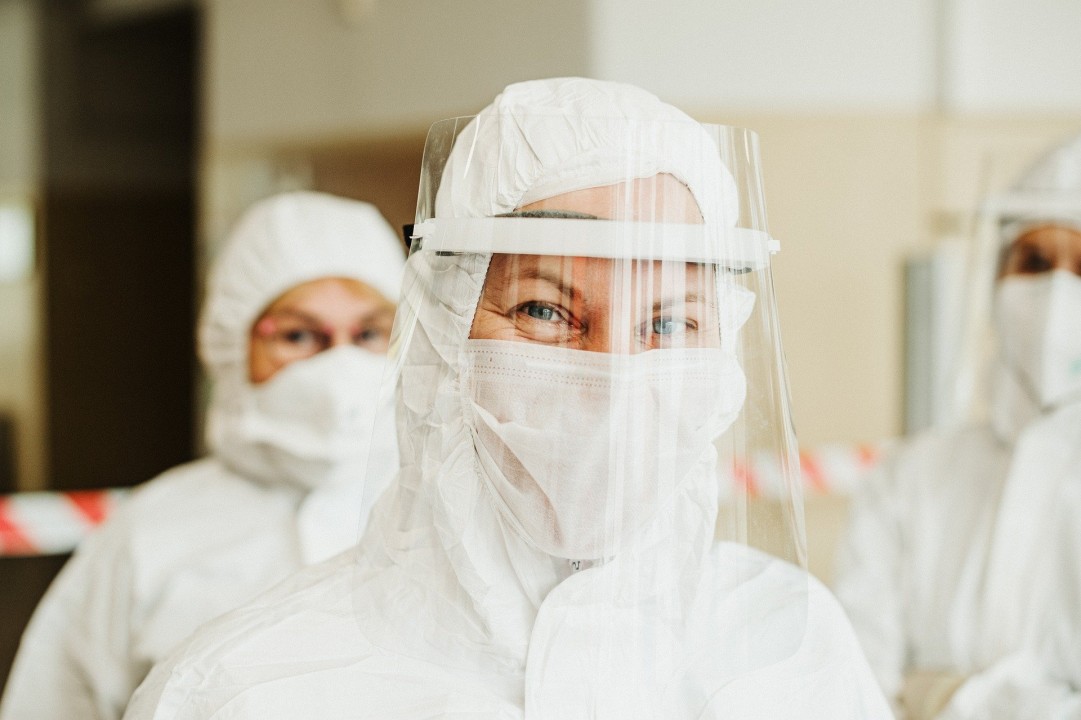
316, 320
515, 271
294, 312
377, 312
1050, 235
689, 299
691, 281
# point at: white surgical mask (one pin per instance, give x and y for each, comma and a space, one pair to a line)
1038, 320
582, 448
309, 425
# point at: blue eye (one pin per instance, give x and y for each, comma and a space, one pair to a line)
540, 312
668, 325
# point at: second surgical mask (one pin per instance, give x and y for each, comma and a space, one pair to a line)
1038, 320
310, 425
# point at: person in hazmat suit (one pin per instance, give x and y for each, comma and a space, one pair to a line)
294, 335
960, 566
586, 348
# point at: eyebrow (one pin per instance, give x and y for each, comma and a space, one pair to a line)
298, 314
381, 311
553, 278
557, 281
689, 298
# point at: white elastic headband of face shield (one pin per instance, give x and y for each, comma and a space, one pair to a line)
1015, 212
739, 249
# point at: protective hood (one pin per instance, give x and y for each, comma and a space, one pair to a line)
307, 423
570, 134
1048, 191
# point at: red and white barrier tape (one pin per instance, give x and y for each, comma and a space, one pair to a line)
828, 469
53, 523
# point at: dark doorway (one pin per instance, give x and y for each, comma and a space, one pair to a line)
24, 581
118, 237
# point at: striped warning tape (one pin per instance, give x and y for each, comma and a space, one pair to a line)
827, 469
53, 523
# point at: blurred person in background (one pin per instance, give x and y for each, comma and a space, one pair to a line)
960, 569
294, 335
586, 339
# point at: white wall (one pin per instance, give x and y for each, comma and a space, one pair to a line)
1013, 56
775, 55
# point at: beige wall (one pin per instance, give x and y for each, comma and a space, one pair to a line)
844, 199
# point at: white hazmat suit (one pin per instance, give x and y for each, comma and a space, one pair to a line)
280, 490
960, 568
501, 576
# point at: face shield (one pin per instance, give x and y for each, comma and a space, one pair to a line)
623, 344
589, 377
1020, 353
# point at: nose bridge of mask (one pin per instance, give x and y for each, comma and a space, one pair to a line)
1039, 324
327, 393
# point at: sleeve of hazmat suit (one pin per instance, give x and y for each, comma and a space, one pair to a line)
1018, 686
966, 606
870, 572
1041, 677
140, 584
77, 642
